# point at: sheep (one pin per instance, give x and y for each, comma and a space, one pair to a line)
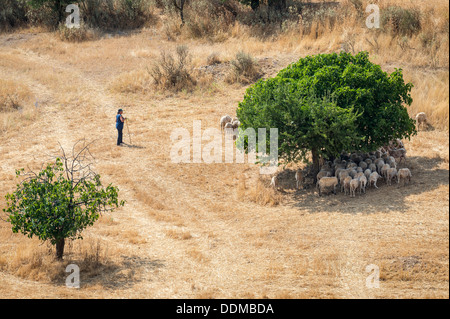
384, 170
274, 182
359, 174
224, 120
391, 174
235, 124
363, 165
367, 173
327, 183
378, 160
399, 154
404, 175
373, 167
421, 120
362, 184
391, 162
354, 185
352, 165
380, 166
346, 184
323, 174
352, 173
342, 176
368, 161
373, 179
338, 172
299, 178
359, 170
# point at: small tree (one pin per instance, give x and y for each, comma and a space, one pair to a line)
329, 103
60, 201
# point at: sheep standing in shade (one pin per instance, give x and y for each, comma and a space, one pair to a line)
404, 175
391, 174
327, 184
354, 185
373, 179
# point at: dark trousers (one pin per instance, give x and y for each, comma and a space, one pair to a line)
119, 139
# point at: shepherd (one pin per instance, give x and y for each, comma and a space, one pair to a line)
120, 120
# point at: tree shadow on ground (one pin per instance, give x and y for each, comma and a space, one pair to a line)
426, 177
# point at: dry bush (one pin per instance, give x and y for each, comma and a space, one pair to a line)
173, 73
245, 69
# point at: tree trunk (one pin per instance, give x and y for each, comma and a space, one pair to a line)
60, 248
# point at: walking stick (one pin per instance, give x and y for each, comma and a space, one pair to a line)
128, 129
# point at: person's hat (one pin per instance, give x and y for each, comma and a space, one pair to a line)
120, 110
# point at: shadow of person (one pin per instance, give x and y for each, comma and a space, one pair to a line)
133, 146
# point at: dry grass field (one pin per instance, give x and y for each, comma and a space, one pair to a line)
216, 230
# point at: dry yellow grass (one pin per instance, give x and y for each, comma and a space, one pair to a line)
217, 230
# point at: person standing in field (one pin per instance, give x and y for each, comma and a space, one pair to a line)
120, 120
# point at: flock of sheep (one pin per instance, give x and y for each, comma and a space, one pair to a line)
355, 172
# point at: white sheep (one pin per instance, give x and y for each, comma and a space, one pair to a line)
384, 170
404, 175
363, 165
399, 153
346, 184
373, 179
354, 185
391, 174
342, 176
224, 120
274, 182
380, 165
352, 173
367, 173
235, 124
421, 120
327, 184
362, 184
323, 174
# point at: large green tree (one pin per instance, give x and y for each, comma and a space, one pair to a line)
329, 103
60, 201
